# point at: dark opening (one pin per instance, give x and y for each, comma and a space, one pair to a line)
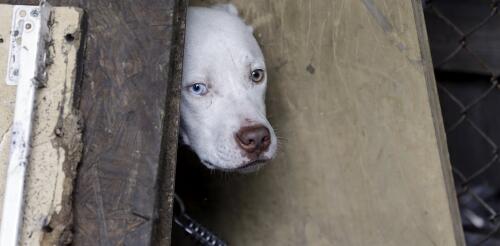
69, 38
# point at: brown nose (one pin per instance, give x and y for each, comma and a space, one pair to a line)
254, 139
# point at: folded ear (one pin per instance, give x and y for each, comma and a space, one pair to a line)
229, 7
250, 28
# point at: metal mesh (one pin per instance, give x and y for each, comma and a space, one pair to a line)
469, 91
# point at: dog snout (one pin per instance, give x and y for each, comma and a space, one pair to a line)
254, 139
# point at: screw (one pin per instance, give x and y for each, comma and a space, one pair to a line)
35, 13
59, 132
28, 26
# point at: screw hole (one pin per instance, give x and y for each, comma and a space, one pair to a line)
1, 40
69, 38
47, 228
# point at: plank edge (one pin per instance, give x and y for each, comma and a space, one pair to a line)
437, 117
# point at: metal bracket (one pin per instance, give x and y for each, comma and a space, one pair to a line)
28, 33
26, 69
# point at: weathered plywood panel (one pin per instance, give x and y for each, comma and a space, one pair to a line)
129, 102
362, 159
56, 146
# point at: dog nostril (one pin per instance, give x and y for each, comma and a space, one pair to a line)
253, 139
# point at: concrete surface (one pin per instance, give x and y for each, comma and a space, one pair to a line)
56, 146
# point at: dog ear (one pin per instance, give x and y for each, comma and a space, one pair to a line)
232, 10
250, 28
229, 8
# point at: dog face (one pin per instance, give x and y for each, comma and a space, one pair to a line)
223, 114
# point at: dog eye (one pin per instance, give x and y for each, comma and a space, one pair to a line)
199, 89
257, 75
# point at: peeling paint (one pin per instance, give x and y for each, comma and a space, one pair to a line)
54, 157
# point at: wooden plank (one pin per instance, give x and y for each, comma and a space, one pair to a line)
131, 67
56, 146
363, 159
437, 116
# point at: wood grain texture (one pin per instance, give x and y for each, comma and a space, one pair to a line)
129, 71
361, 160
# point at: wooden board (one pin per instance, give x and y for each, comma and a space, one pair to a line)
363, 157
56, 147
129, 103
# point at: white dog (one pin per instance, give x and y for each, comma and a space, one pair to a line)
223, 114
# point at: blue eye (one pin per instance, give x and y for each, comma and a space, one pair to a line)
199, 89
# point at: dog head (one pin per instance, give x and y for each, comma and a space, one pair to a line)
223, 113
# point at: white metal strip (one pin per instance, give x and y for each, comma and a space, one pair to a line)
26, 67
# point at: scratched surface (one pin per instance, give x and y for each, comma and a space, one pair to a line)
129, 105
362, 159
56, 145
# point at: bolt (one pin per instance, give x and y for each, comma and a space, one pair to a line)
35, 13
59, 132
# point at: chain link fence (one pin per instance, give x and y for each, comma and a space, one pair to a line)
465, 43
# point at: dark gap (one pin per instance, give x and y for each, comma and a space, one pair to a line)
47, 228
69, 38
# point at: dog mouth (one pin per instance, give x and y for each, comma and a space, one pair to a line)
247, 166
